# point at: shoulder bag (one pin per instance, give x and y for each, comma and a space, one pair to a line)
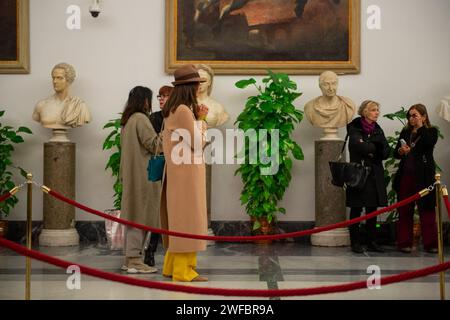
348, 174
155, 167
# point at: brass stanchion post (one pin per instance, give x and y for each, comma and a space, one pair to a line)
29, 235
440, 233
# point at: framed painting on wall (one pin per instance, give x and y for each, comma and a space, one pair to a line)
251, 36
14, 36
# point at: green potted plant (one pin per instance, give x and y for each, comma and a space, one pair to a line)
114, 230
9, 136
112, 142
270, 109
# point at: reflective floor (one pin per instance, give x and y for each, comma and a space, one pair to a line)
246, 266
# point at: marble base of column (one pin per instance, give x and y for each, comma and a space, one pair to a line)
59, 238
333, 238
329, 199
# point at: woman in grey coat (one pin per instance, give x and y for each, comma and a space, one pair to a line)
140, 197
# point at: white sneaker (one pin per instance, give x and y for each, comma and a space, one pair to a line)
135, 265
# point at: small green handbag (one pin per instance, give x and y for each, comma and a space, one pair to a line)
155, 167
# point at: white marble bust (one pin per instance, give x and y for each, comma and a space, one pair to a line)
217, 114
330, 111
62, 111
444, 109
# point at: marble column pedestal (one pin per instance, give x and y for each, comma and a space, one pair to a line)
208, 201
59, 175
330, 200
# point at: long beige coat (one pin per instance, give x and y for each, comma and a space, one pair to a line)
183, 199
140, 197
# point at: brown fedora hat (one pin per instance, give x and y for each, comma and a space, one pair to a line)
187, 74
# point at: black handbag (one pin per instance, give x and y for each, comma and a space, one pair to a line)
348, 174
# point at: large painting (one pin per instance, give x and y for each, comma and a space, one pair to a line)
14, 36
251, 36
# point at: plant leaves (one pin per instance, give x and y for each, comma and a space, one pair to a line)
245, 83
24, 130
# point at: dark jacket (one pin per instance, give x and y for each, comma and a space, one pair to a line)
156, 118
372, 150
425, 167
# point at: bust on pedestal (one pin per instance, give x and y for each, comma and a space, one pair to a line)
60, 112
444, 109
329, 112
216, 117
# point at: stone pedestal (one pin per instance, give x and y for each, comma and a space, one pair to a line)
208, 192
330, 200
59, 175
208, 201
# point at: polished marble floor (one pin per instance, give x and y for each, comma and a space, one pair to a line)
246, 266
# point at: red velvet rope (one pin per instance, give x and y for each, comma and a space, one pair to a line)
5, 196
447, 204
218, 291
235, 238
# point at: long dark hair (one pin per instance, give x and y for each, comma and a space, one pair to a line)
137, 99
182, 94
420, 108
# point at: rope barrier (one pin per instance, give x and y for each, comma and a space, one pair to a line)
11, 193
236, 238
447, 204
218, 291
5, 196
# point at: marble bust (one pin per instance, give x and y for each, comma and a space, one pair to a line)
217, 114
444, 109
330, 111
61, 111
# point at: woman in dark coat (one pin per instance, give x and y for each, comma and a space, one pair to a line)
367, 145
416, 172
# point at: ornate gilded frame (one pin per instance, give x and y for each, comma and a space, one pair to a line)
352, 66
21, 64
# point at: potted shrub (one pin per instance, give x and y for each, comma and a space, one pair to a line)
270, 109
9, 136
114, 230
112, 142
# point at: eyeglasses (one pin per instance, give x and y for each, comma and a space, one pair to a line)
414, 116
162, 96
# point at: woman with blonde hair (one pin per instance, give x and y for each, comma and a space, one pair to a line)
368, 146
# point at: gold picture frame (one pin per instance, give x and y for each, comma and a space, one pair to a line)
14, 37
183, 21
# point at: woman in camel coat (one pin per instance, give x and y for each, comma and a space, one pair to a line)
183, 200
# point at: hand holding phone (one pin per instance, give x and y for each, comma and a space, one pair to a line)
403, 142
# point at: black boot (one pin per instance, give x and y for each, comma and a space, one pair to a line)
371, 227
374, 247
355, 239
149, 258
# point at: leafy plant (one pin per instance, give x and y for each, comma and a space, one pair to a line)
8, 138
391, 165
271, 109
112, 142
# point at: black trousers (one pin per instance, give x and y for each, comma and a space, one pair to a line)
154, 239
371, 225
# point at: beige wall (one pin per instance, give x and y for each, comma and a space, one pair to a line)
404, 63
